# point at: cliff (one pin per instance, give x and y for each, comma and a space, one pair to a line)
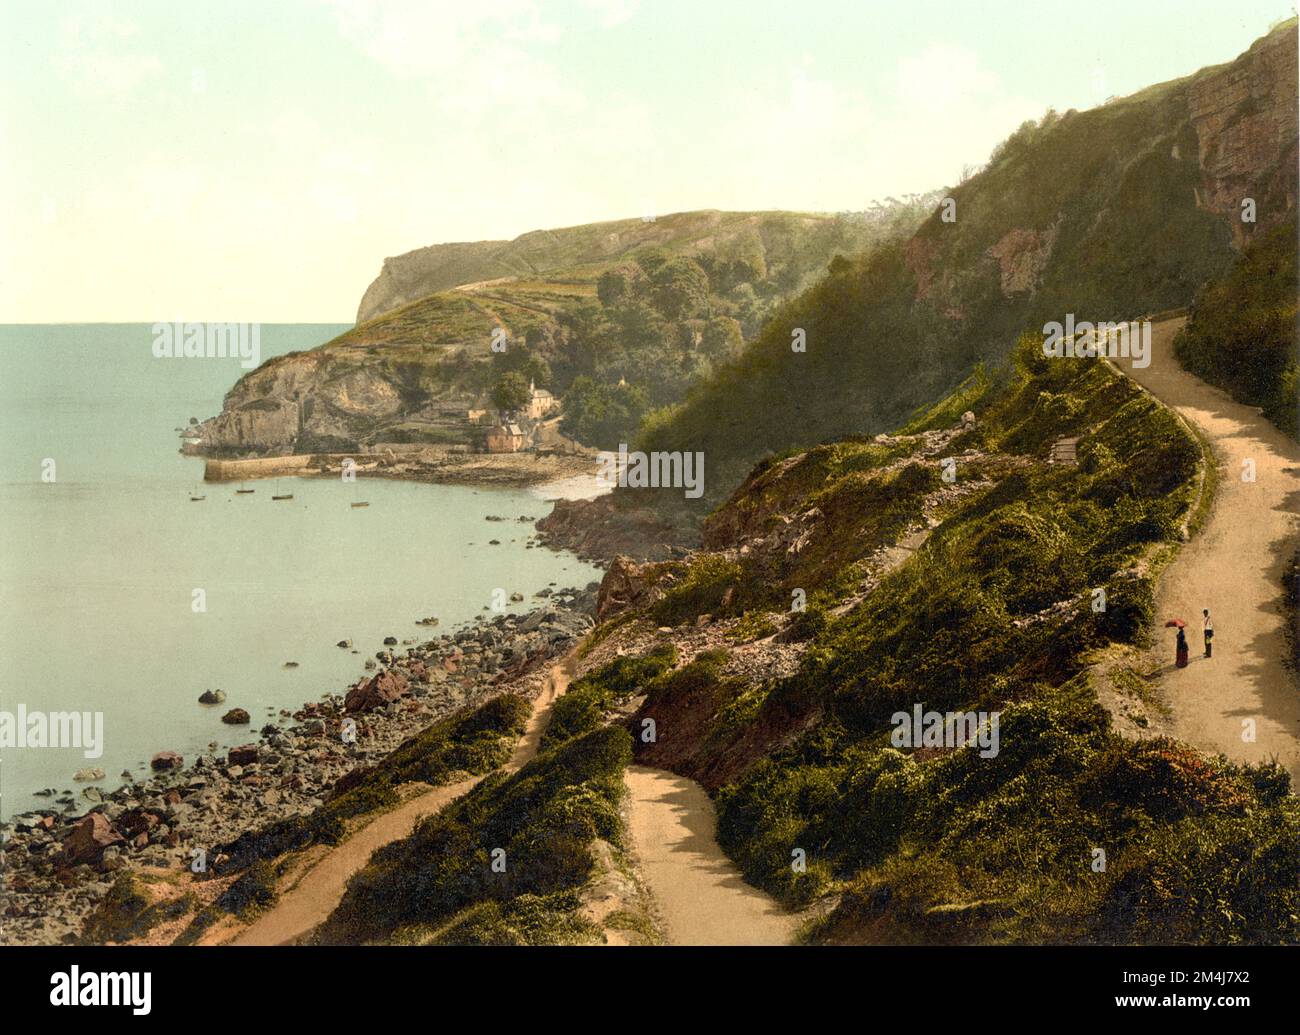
1119, 211
425, 351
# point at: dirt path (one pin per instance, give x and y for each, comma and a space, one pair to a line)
318, 892
1234, 567
699, 891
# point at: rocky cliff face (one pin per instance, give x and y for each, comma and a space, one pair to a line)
405, 278
1246, 120
301, 402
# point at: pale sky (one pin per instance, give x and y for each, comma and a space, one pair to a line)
253, 161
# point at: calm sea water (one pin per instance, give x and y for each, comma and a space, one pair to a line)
98, 568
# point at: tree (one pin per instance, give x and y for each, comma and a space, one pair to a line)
722, 339
616, 286
603, 415
681, 288
510, 393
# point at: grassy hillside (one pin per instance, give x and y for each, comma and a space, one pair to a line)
439, 886
582, 253
1241, 332
993, 613
1100, 213
1069, 832
616, 319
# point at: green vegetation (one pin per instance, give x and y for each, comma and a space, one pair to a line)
617, 319
596, 411
588, 701
440, 882
992, 614
470, 742
510, 393
1241, 332
128, 911
1054, 224
252, 892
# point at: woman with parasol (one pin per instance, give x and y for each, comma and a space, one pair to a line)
1180, 654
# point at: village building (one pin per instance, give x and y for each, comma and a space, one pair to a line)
506, 438
540, 402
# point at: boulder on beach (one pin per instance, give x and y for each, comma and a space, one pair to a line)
245, 754
390, 641
236, 717
165, 760
376, 692
212, 697
92, 773
344, 643
87, 840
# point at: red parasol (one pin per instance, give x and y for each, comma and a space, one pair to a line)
1175, 623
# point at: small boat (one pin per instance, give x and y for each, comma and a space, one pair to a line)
362, 503
287, 496
244, 492
196, 499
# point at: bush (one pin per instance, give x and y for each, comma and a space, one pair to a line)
544, 817
471, 741
584, 706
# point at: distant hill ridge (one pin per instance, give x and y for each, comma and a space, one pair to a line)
573, 250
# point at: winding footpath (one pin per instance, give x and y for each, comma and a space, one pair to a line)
700, 895
1234, 567
308, 903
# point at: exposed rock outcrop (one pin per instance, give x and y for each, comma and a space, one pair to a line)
1247, 120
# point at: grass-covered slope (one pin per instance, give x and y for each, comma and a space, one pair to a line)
1241, 332
504, 864
470, 742
787, 243
617, 319
1108, 214
994, 612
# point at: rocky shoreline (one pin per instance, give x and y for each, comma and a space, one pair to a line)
608, 526
56, 866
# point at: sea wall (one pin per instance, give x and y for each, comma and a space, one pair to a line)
264, 467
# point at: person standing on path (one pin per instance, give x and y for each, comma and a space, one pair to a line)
1180, 655
1209, 633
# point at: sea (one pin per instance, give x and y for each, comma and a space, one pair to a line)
123, 598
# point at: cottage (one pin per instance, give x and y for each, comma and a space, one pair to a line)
540, 402
506, 438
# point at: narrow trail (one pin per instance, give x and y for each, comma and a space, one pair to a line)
1234, 567
319, 890
700, 894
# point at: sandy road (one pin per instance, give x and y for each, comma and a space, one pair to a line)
699, 892
1234, 567
318, 892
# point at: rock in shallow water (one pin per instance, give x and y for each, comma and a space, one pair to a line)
165, 760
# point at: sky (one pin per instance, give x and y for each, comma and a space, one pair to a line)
246, 161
